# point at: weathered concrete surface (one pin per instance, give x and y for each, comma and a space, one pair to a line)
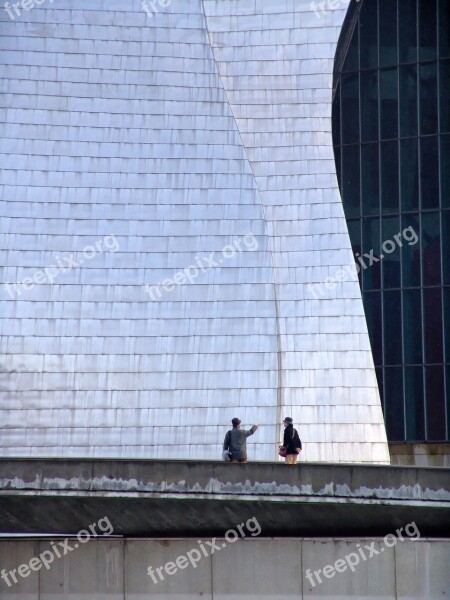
251, 569
420, 455
187, 498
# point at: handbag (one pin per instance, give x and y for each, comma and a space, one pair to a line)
283, 451
226, 455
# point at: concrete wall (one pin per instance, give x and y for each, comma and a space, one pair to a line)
251, 569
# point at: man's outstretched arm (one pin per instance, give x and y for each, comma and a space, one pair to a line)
251, 431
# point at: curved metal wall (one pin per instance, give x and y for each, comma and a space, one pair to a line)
159, 143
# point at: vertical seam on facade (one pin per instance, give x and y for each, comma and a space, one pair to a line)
269, 239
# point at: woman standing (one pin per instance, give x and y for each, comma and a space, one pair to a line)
292, 445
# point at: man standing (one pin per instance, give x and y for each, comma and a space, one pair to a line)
236, 441
291, 442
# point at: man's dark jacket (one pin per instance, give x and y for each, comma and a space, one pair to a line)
291, 440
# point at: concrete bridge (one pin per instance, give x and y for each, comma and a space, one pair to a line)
148, 498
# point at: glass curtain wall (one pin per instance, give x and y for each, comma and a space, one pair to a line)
391, 134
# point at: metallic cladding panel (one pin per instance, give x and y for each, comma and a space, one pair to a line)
286, 131
176, 137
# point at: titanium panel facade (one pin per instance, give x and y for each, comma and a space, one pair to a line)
137, 147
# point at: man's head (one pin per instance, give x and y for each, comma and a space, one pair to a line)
287, 421
235, 422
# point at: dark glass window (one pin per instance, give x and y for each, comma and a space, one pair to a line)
351, 60
393, 403
447, 369
429, 171
445, 171
337, 117
408, 100
447, 325
380, 379
435, 394
392, 330
388, 33
390, 252
446, 246
350, 180
427, 29
411, 251
389, 177
337, 156
414, 400
432, 303
372, 307
444, 28
368, 26
354, 230
444, 87
369, 106
392, 140
370, 174
409, 158
350, 106
412, 326
431, 248
389, 103
407, 31
428, 98
370, 264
